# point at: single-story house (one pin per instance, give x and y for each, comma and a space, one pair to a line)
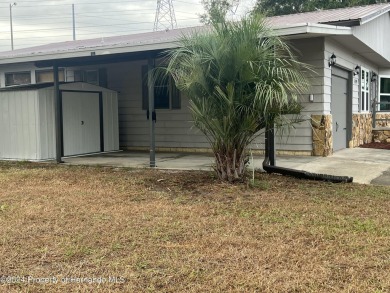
348, 48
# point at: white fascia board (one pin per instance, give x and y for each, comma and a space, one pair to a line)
311, 28
372, 16
85, 52
308, 29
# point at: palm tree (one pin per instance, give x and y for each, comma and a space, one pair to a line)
240, 78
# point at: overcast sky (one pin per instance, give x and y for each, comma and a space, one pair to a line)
42, 22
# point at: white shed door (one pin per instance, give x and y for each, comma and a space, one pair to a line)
80, 122
339, 111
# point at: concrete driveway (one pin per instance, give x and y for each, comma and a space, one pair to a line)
366, 166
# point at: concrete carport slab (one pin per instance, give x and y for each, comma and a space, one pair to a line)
366, 166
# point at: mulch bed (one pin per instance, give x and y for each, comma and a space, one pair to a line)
377, 145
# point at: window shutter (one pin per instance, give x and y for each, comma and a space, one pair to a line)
145, 92
175, 98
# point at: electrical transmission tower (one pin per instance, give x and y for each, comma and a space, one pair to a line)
165, 16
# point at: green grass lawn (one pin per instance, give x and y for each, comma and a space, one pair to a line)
170, 231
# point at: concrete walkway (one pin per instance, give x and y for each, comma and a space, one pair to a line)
366, 166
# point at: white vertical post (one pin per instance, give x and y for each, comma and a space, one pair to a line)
74, 23
10, 23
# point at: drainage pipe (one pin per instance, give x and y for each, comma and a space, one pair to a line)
304, 174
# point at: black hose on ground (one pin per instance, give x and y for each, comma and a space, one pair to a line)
270, 162
304, 174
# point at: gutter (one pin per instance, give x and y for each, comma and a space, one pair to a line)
168, 42
90, 51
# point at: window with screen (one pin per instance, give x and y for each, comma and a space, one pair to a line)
42, 76
166, 95
89, 76
384, 93
17, 78
364, 90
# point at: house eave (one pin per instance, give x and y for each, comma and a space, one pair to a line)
312, 30
107, 53
89, 52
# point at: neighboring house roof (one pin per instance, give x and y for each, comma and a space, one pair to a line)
326, 22
349, 16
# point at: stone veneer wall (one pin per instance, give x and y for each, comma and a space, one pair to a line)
382, 135
383, 123
361, 130
382, 131
322, 135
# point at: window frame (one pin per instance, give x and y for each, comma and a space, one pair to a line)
380, 94
174, 98
60, 71
13, 73
84, 73
365, 89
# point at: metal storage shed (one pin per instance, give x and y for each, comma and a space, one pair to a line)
89, 121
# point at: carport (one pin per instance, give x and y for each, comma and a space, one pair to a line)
93, 53
94, 58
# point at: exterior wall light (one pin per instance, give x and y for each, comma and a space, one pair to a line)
356, 71
332, 60
374, 77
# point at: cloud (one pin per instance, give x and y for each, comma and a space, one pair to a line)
42, 22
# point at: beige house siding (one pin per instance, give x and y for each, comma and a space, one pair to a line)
173, 127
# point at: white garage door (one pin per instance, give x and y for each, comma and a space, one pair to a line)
81, 123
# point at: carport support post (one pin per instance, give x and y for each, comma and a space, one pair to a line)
57, 114
151, 111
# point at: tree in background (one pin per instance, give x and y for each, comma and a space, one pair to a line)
282, 7
239, 78
215, 10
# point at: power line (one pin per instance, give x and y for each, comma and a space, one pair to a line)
165, 16
53, 25
39, 3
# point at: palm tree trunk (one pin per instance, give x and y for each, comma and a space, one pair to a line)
230, 167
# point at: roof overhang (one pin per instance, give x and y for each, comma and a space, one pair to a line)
152, 47
310, 30
359, 48
343, 35
102, 53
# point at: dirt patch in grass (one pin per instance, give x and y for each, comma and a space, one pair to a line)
124, 230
